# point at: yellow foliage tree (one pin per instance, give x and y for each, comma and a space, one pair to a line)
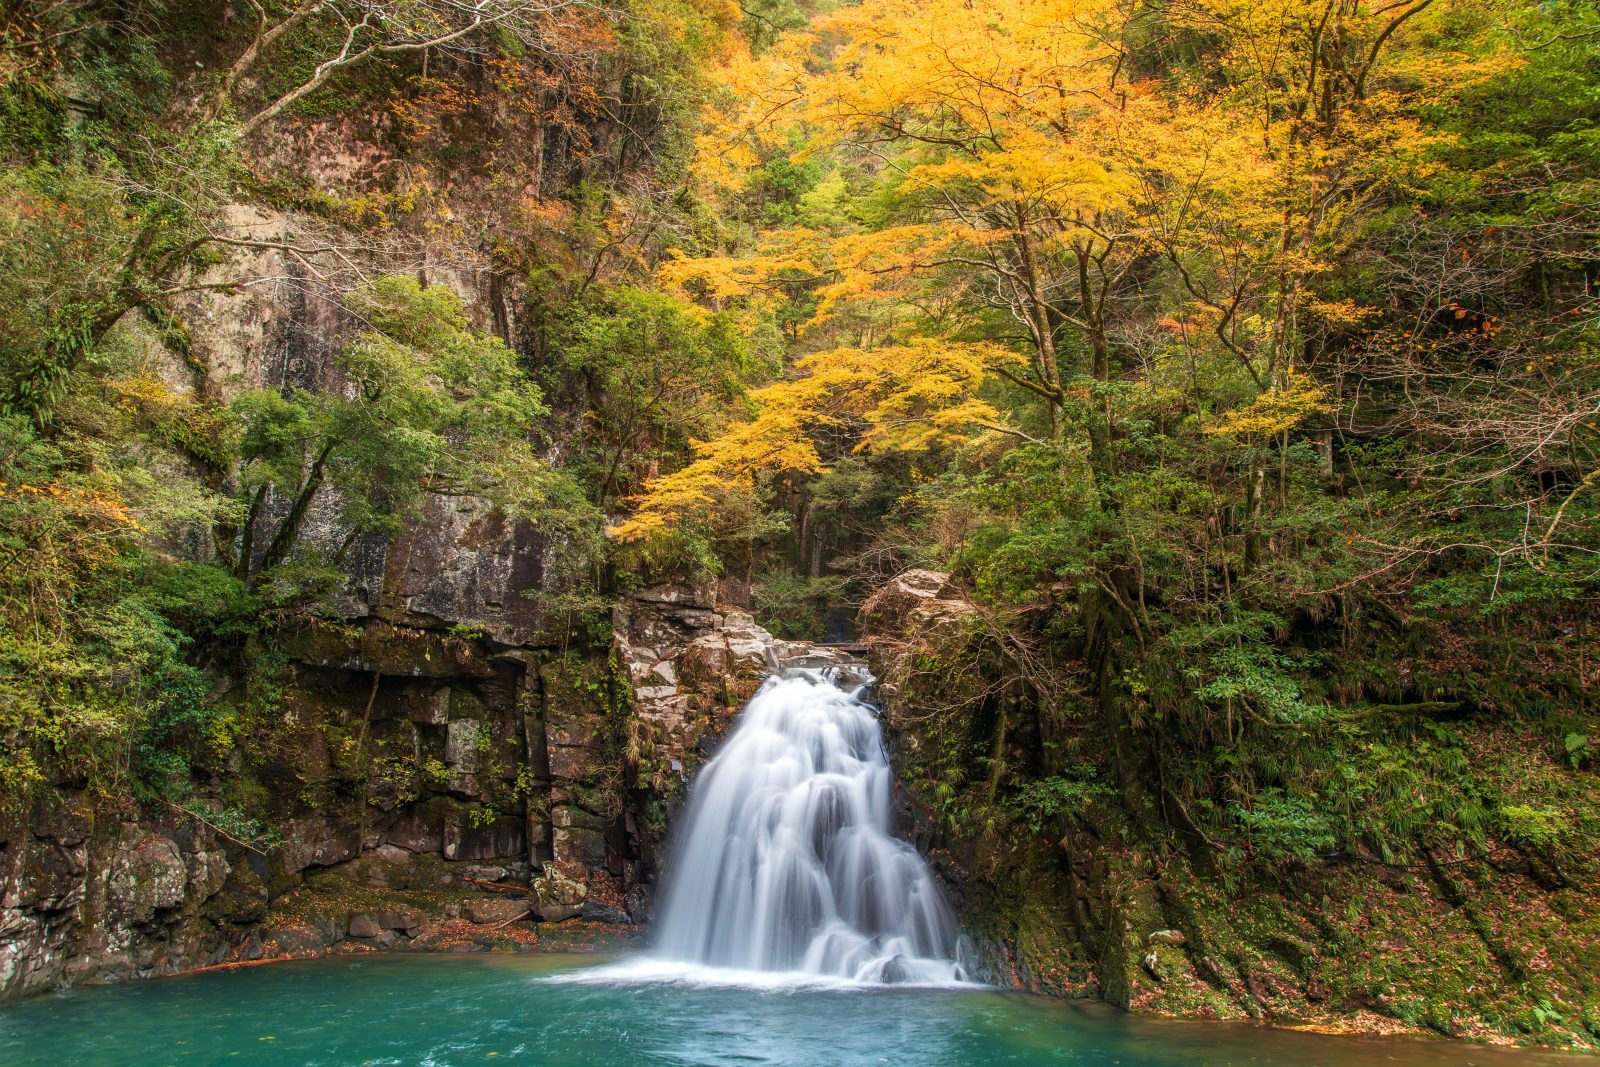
1273, 412
903, 397
1046, 178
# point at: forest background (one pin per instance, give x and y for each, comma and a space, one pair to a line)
1237, 361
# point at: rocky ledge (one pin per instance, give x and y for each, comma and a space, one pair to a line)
95, 901
449, 861
692, 667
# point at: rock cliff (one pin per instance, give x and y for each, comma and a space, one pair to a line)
1073, 895
418, 776
432, 723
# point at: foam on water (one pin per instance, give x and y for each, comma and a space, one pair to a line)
653, 970
785, 873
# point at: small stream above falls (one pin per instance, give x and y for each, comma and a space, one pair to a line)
784, 860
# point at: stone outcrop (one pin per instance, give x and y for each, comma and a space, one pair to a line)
692, 666
935, 683
557, 897
406, 761
425, 766
87, 897
914, 607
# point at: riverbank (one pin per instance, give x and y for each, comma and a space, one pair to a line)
338, 916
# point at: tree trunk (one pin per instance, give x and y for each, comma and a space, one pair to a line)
1039, 318
289, 533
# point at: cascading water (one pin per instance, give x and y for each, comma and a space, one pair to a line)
785, 862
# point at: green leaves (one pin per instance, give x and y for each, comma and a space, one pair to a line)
429, 405
1577, 747
1276, 826
1045, 799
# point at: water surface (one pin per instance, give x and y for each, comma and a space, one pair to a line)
458, 1009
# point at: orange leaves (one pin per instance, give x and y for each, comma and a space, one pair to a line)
775, 441
577, 30
79, 502
434, 100
878, 264
1185, 330
545, 214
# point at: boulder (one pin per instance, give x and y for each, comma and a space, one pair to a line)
374, 925
912, 602
208, 871
297, 939
681, 595
557, 897
468, 561
402, 920
51, 878
420, 827
317, 842
596, 912
147, 875
493, 910
485, 872
364, 925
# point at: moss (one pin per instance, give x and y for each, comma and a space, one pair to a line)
33, 119
1501, 948
465, 704
395, 651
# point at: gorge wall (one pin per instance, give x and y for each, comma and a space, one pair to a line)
418, 776
1090, 899
431, 723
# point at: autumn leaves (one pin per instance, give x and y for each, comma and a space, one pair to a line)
1009, 191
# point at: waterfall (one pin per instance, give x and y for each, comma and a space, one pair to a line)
785, 862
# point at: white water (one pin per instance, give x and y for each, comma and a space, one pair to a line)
785, 864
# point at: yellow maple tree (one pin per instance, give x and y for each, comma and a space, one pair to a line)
910, 396
1039, 171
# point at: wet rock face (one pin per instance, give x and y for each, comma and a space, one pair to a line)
692, 667
107, 900
408, 761
465, 561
